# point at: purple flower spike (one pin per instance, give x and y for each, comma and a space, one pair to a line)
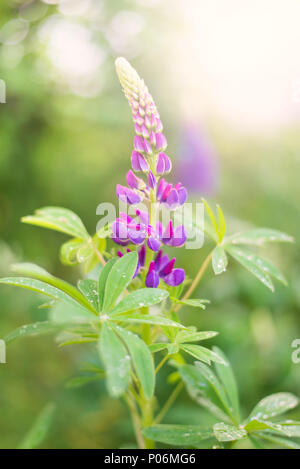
151, 180
152, 279
134, 182
138, 162
128, 195
161, 142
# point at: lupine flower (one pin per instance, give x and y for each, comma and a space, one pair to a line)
127, 230
161, 268
148, 157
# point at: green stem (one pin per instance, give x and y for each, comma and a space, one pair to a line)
196, 280
136, 422
147, 420
172, 398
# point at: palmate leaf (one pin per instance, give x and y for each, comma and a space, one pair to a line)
118, 278
219, 260
63, 312
59, 219
40, 287
224, 432
140, 299
273, 405
116, 361
178, 435
259, 236
32, 270
142, 360
40, 429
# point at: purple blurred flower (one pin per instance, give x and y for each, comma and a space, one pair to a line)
162, 267
197, 167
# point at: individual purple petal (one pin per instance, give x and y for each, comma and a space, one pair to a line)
172, 199
161, 188
159, 126
152, 138
134, 182
168, 233
136, 233
143, 216
147, 147
142, 256
138, 129
138, 162
167, 269
183, 195
161, 142
139, 143
127, 195
151, 180
145, 131
120, 254
119, 230
159, 229
152, 278
153, 244
160, 166
179, 237
168, 164
175, 278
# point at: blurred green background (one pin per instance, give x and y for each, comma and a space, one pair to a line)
66, 139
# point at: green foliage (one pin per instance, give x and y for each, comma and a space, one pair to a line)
40, 429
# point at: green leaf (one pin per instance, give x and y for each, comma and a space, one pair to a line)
178, 435
40, 287
37, 272
221, 224
68, 251
275, 404
201, 353
256, 425
226, 376
263, 264
63, 312
158, 347
116, 361
59, 219
142, 360
79, 341
192, 336
89, 289
247, 261
118, 278
279, 441
204, 387
140, 299
103, 278
260, 236
219, 260
196, 303
211, 216
85, 251
225, 432
35, 329
147, 319
292, 428
40, 429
